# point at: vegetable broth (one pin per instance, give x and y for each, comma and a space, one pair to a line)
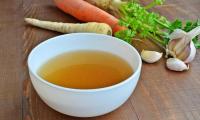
85, 70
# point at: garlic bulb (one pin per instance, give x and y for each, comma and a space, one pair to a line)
150, 56
176, 64
181, 46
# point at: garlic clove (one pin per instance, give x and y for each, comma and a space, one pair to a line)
181, 46
178, 33
172, 44
150, 56
192, 53
176, 64
184, 54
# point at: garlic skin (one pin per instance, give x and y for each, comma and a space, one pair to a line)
178, 33
175, 64
150, 56
181, 45
192, 53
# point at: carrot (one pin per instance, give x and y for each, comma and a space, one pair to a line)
93, 27
88, 13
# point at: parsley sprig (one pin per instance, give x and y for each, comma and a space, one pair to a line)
144, 24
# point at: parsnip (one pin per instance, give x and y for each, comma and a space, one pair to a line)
91, 27
111, 6
106, 4
103, 4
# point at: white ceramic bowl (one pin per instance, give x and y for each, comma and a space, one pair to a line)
79, 102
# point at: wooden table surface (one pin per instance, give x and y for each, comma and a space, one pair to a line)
160, 94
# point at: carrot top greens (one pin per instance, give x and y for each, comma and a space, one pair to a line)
144, 24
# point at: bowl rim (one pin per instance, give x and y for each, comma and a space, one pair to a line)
137, 71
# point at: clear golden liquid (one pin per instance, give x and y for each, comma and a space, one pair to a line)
85, 70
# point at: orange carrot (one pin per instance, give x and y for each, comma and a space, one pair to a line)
88, 13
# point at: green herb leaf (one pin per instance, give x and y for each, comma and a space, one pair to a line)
141, 22
177, 24
154, 3
126, 35
159, 2
150, 25
196, 42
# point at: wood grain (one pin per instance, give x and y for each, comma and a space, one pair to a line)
10, 61
160, 94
